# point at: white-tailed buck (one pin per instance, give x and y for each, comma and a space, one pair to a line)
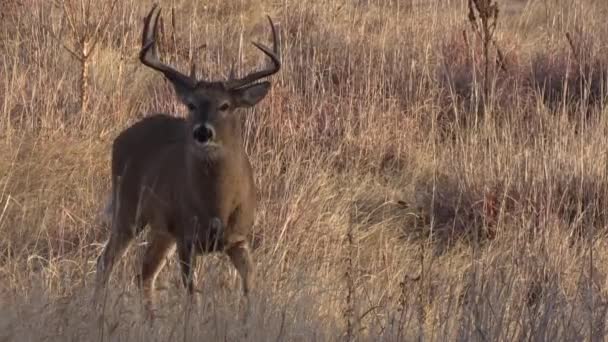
189, 179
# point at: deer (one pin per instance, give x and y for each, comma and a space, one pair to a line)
189, 178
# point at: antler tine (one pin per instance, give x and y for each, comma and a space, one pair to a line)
146, 38
252, 77
149, 56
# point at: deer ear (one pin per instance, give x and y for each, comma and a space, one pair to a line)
250, 95
182, 91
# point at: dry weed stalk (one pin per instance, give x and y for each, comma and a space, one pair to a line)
486, 11
349, 312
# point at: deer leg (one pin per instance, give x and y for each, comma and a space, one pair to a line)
161, 245
112, 252
186, 261
124, 229
240, 255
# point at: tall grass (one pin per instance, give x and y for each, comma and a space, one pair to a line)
388, 212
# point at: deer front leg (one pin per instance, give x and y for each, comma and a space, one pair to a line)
240, 255
186, 261
160, 246
238, 248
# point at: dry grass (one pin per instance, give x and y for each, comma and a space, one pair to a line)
370, 157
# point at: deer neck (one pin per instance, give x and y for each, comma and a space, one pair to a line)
212, 182
216, 163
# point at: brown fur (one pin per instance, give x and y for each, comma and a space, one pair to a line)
198, 196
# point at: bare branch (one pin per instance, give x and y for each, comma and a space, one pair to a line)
52, 34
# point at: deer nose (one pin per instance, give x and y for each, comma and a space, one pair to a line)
203, 133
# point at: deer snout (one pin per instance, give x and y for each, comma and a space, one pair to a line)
203, 133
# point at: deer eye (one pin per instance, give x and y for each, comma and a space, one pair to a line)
224, 106
191, 106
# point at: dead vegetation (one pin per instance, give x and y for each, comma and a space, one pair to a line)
389, 208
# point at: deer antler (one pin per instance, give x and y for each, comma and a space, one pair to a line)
254, 76
149, 57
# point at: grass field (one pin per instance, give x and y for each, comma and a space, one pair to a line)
411, 186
